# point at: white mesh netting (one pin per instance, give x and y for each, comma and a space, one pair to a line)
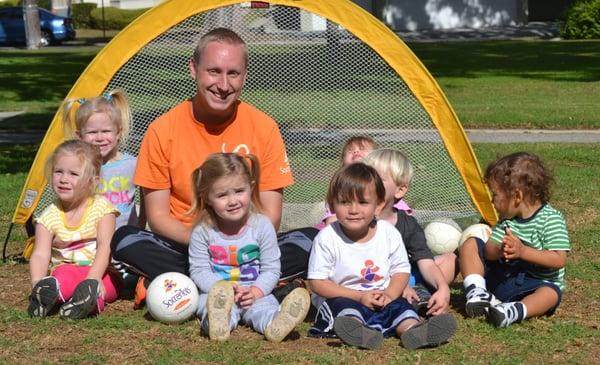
321, 84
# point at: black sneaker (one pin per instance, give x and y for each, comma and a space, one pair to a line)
83, 301
282, 291
479, 300
420, 305
43, 298
352, 332
429, 333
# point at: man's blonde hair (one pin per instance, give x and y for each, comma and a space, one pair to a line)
222, 35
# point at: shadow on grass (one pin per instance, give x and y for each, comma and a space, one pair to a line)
17, 158
553, 61
38, 121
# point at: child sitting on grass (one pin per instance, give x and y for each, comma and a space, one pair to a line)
520, 271
233, 253
359, 268
428, 274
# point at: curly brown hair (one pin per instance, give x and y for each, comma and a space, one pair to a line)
521, 171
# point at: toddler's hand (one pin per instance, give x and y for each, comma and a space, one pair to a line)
511, 246
410, 294
245, 296
372, 299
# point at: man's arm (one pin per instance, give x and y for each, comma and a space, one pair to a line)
159, 218
272, 203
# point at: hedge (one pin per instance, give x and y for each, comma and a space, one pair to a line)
582, 20
114, 18
81, 14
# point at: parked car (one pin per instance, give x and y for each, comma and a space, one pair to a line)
54, 29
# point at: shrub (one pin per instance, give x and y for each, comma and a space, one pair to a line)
44, 4
81, 14
10, 3
114, 18
582, 20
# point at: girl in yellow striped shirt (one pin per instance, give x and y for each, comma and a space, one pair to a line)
72, 237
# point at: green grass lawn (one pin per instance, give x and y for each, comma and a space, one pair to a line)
500, 84
126, 336
508, 84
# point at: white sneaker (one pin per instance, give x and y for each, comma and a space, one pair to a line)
478, 301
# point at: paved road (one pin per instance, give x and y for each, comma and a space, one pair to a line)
475, 136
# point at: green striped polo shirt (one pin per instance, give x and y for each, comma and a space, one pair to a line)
545, 230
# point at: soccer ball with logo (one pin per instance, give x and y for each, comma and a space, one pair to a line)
172, 298
442, 235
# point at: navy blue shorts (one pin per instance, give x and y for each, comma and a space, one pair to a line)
385, 320
509, 281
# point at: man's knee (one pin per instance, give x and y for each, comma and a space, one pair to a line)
120, 234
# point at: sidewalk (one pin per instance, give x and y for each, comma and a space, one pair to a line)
531, 30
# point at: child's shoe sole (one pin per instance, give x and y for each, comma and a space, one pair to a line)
352, 332
294, 309
429, 333
83, 301
477, 309
44, 297
218, 305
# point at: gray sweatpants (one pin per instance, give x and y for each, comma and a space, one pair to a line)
258, 316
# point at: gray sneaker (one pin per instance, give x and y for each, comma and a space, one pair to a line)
83, 301
353, 332
429, 333
293, 310
44, 297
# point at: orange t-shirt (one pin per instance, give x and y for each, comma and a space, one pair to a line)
176, 144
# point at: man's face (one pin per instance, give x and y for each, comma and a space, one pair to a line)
220, 75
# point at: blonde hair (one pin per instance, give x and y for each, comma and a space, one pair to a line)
115, 104
393, 162
350, 182
216, 166
90, 158
221, 35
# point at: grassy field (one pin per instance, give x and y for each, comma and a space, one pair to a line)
531, 84
126, 336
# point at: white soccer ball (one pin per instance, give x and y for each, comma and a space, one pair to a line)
442, 235
172, 298
479, 230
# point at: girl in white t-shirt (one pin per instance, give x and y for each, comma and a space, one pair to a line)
358, 269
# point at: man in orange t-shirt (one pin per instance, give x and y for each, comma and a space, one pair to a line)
175, 144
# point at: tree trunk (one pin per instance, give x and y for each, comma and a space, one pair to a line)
32, 23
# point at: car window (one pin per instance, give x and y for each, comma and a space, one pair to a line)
16, 13
6, 14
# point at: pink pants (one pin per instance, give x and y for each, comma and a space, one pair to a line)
69, 276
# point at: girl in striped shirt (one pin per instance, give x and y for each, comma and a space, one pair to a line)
72, 238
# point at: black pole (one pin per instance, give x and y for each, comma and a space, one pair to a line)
103, 26
6, 242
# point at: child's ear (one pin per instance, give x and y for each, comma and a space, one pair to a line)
400, 191
379, 208
518, 195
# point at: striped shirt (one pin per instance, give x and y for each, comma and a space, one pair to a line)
75, 244
545, 230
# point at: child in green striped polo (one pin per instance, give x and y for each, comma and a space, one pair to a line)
520, 271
